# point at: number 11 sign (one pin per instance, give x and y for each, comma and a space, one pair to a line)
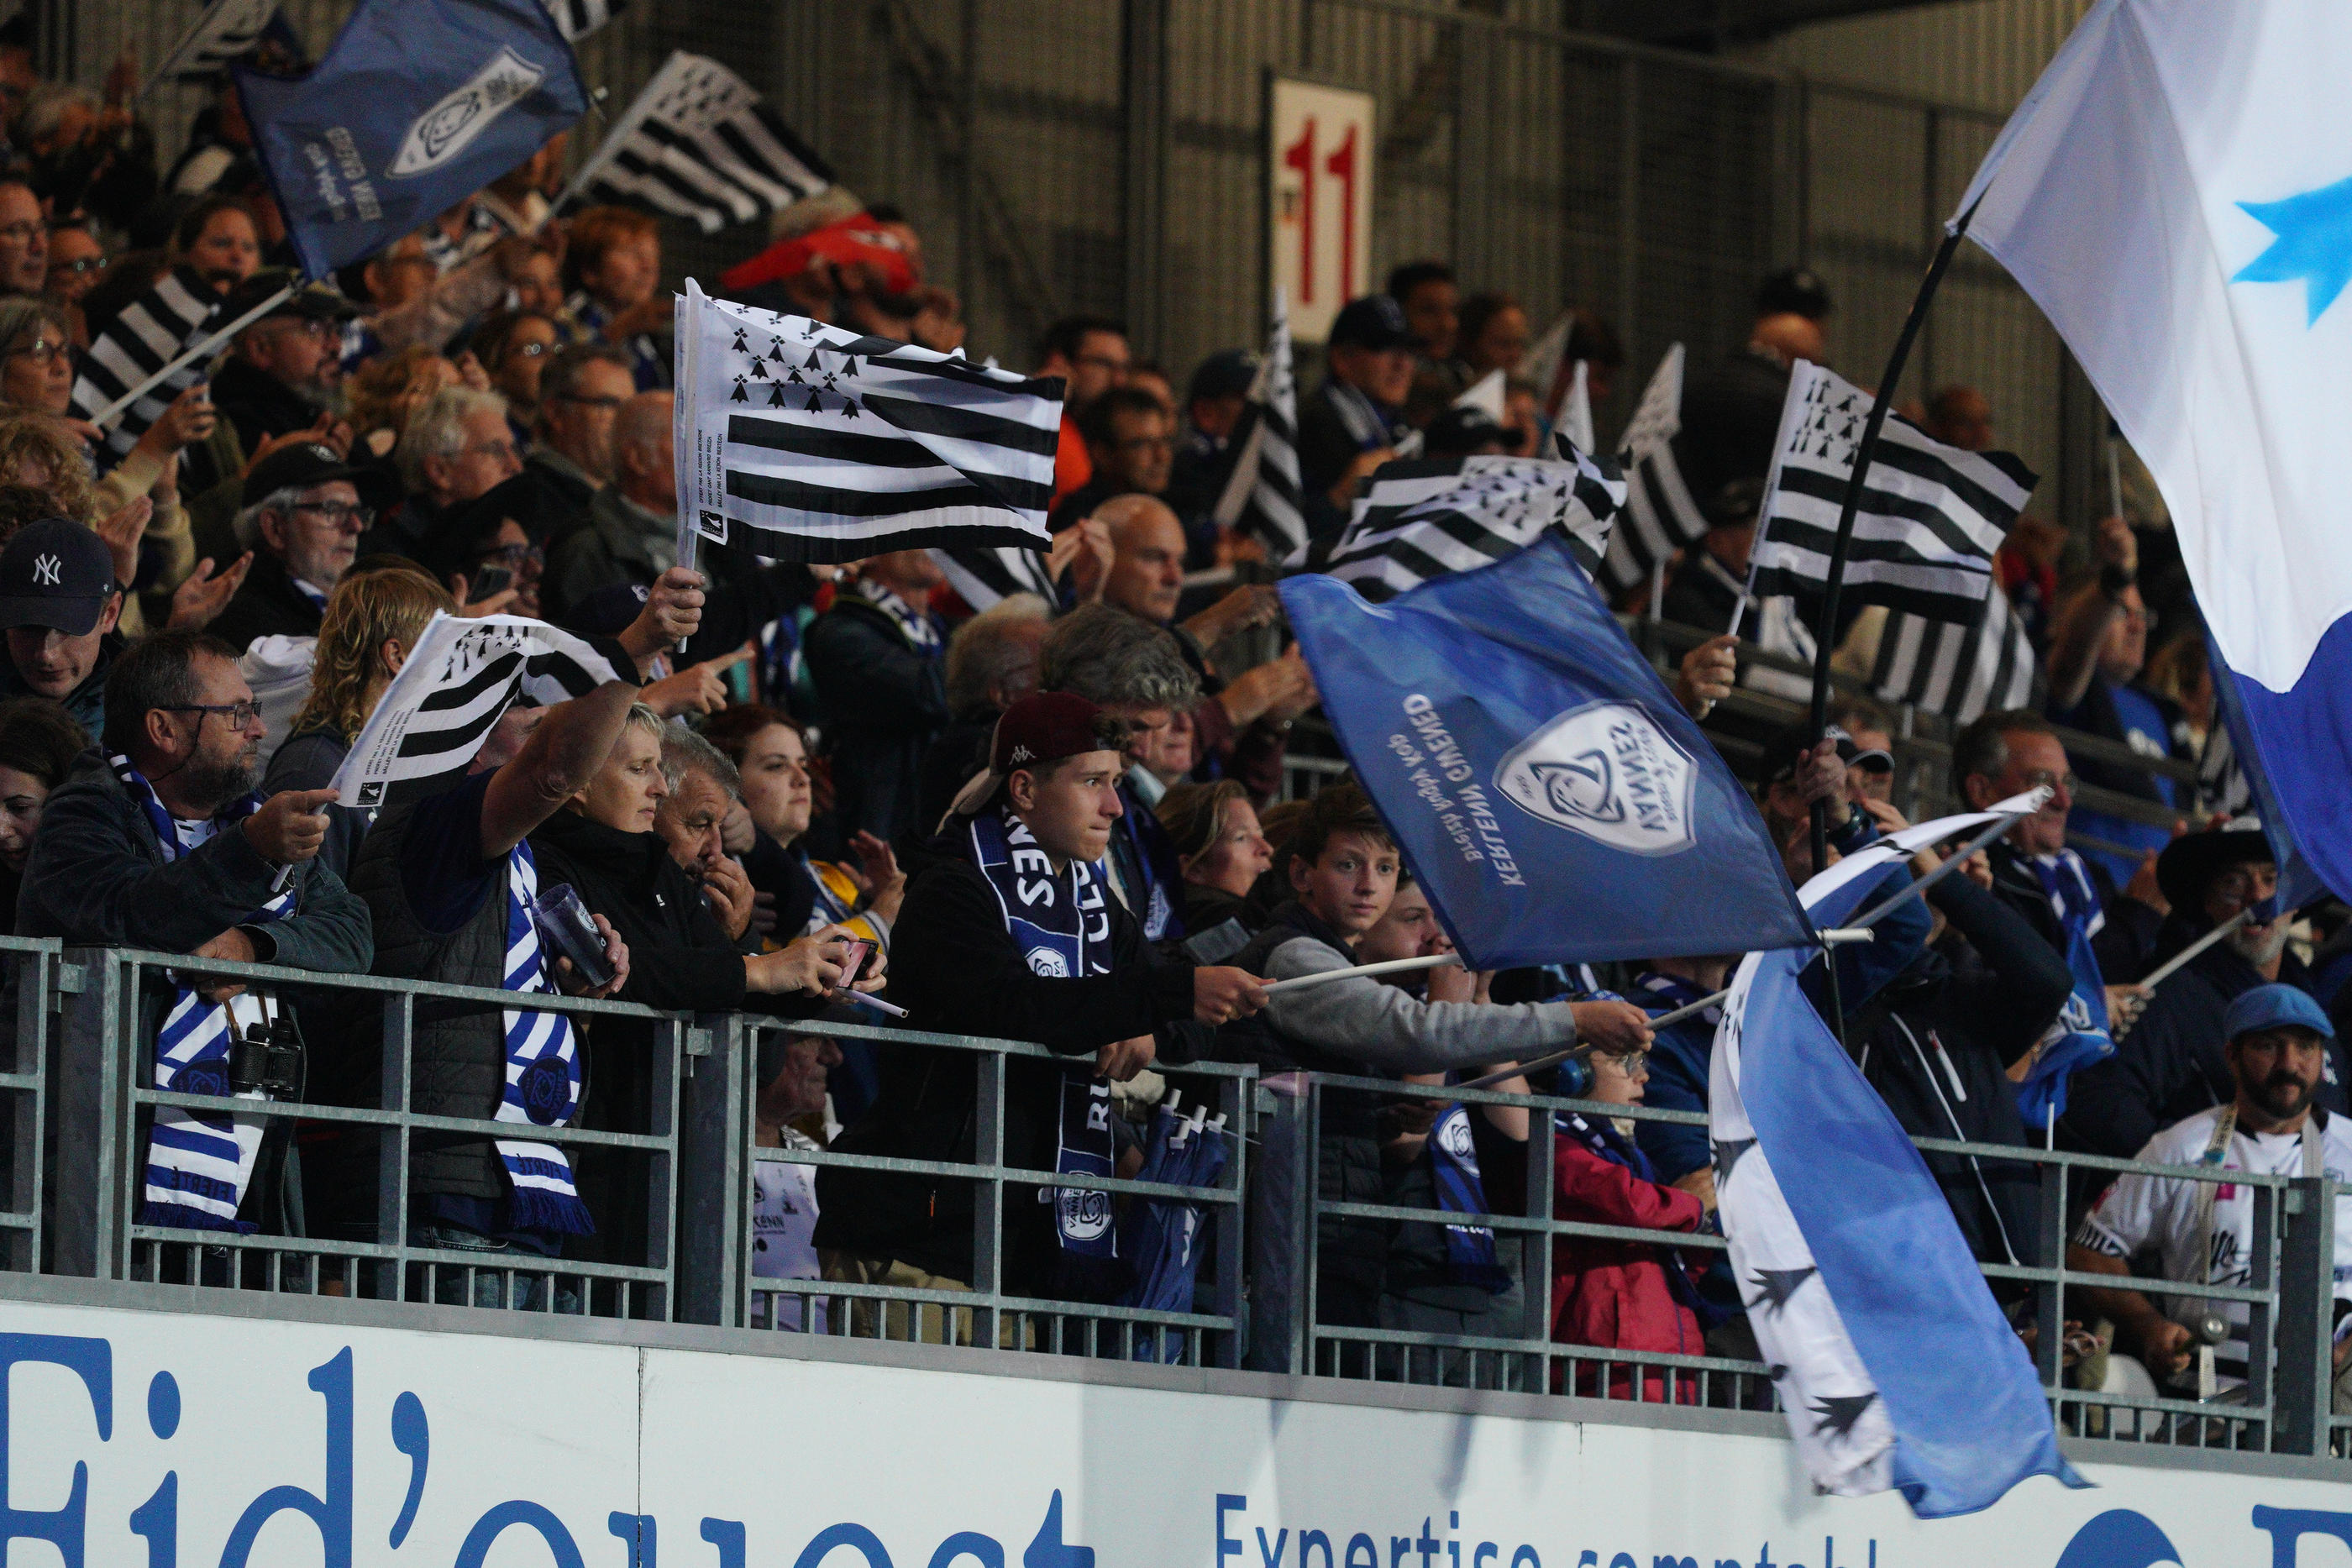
1319, 186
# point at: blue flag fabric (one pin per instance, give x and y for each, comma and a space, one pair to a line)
2080, 1035
1544, 785
418, 104
1896, 1366
2299, 881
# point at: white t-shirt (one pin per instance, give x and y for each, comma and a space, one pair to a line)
2140, 1212
783, 1227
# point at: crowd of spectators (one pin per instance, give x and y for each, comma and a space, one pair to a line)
1051, 821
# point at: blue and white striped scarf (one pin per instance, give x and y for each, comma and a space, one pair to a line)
198, 1164
543, 1077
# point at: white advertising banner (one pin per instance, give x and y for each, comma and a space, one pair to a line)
147, 1438
1319, 181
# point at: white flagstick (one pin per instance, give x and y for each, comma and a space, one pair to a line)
685, 341
1392, 967
2166, 970
201, 348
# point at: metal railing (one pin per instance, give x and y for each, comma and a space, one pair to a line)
30, 973
989, 1313
110, 1008
2283, 1406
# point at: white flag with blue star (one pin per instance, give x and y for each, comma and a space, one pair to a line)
2176, 194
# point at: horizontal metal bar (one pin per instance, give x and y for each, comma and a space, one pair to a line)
1102, 1312
1019, 1175
2096, 1399
1521, 1224
414, 1121
321, 1247
1394, 1089
1558, 1350
759, 1024
276, 977
2127, 1282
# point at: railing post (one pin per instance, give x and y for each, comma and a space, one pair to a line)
1280, 1234
1236, 1098
2049, 1297
713, 1146
987, 1210
2302, 1393
90, 1088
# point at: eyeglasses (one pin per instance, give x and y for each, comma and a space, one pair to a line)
2246, 884
240, 715
533, 350
339, 514
80, 264
22, 233
514, 558
42, 352
2042, 778
502, 450
606, 403
1631, 1064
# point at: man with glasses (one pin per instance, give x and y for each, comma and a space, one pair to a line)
2174, 1063
287, 366
305, 510
1090, 354
24, 239
580, 393
2098, 644
458, 448
60, 603
2058, 891
158, 840
76, 262
1131, 442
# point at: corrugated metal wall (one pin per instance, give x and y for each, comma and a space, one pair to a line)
1562, 168
1977, 54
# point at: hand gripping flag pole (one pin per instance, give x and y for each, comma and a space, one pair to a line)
1826, 637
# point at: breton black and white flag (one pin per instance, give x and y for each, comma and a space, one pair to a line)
228, 30
1427, 517
575, 19
1661, 518
463, 673
150, 332
1960, 672
984, 577
822, 444
699, 143
1931, 515
1261, 496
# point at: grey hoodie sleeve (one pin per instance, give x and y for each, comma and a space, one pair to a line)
1383, 1026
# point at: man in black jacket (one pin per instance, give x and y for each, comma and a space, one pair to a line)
287, 366
2174, 1062
309, 508
1936, 1045
1009, 934
158, 842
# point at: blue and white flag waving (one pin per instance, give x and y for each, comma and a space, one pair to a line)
2176, 194
419, 104
2079, 1036
1895, 1366
1519, 749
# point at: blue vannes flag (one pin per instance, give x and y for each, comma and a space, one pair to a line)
2299, 882
1545, 786
419, 104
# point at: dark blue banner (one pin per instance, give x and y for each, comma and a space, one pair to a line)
419, 104
1546, 788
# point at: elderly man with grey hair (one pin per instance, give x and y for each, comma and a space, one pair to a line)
703, 785
1136, 675
305, 510
991, 664
457, 447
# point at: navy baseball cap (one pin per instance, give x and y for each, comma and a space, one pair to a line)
1229, 373
307, 462
2276, 1007
1793, 291
1375, 321
56, 574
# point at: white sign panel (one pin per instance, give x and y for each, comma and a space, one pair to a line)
1323, 154
145, 1437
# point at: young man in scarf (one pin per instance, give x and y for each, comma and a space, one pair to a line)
1012, 932
158, 842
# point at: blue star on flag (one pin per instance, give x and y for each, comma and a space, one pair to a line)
2313, 244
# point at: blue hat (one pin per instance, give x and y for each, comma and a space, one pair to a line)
1375, 321
2276, 1007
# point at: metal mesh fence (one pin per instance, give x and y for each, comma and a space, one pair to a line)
1060, 156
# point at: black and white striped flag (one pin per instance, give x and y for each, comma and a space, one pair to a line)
1931, 515
984, 577
1960, 672
575, 19
152, 332
1427, 517
463, 673
228, 30
1661, 518
1261, 495
700, 144
827, 445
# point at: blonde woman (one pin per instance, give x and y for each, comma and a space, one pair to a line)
372, 620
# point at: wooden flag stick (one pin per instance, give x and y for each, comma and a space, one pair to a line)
1392, 967
2166, 970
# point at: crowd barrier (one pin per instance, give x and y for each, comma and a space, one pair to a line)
81, 1093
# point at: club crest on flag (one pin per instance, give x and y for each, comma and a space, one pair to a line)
1606, 771
442, 132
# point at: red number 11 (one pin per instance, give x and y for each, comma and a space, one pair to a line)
1343, 166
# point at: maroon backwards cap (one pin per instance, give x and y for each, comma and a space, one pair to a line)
1039, 730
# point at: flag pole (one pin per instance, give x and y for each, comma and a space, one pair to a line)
200, 348
2165, 970
1826, 638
